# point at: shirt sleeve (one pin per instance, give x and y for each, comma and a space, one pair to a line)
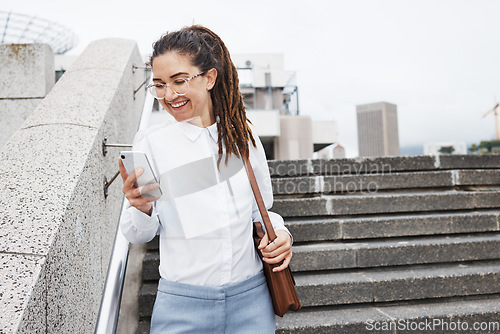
135, 225
138, 227
258, 161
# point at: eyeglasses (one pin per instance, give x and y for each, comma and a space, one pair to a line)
179, 86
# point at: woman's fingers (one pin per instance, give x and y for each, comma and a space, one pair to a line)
135, 195
121, 168
263, 242
130, 181
281, 244
285, 264
144, 190
278, 258
278, 251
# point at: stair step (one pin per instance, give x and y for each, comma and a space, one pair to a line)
144, 327
386, 241
382, 226
386, 203
398, 284
430, 316
390, 284
425, 317
468, 161
317, 229
153, 244
280, 168
147, 297
364, 182
350, 166
375, 182
150, 264
395, 252
376, 253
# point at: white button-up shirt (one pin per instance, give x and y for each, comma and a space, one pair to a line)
204, 217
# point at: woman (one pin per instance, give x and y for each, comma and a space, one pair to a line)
211, 277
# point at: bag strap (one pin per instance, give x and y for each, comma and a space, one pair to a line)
258, 198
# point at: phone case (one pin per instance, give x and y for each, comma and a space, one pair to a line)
135, 159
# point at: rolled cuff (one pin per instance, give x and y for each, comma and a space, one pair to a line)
142, 221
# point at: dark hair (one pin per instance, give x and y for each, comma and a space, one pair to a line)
207, 51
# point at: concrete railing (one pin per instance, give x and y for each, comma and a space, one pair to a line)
56, 226
26, 77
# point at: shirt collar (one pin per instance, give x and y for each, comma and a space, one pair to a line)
193, 132
212, 129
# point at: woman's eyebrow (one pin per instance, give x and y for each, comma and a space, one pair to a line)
178, 73
172, 76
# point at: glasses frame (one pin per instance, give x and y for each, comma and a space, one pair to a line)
168, 85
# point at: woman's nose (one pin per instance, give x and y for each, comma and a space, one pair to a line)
170, 95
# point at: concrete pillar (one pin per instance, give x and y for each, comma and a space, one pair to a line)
26, 76
296, 140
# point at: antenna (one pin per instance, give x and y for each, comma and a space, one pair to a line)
494, 111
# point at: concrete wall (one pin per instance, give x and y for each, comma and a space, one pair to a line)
56, 226
26, 76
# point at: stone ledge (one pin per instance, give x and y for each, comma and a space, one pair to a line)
52, 201
23, 283
19, 64
13, 114
104, 89
33, 212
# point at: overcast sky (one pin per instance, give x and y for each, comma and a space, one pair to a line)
437, 60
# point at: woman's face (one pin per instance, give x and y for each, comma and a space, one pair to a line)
196, 104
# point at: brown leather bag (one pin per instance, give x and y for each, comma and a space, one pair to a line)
281, 284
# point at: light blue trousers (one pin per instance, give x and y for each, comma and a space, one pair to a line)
243, 307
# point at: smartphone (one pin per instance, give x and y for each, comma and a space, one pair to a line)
135, 159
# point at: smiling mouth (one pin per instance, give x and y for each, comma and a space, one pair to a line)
179, 104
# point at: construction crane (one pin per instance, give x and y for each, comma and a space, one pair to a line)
495, 113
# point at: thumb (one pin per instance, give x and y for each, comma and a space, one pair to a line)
264, 242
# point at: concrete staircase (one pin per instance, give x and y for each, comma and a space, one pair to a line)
394, 245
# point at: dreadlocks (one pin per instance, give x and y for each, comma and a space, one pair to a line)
207, 51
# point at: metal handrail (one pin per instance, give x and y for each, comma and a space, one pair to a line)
109, 311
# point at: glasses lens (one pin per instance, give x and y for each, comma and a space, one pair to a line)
180, 86
157, 91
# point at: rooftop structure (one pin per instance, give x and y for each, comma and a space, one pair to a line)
24, 29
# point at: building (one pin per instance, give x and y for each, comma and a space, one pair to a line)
265, 84
333, 151
377, 129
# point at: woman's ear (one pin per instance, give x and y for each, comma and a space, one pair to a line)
211, 78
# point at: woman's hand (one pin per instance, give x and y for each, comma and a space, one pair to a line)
278, 250
133, 194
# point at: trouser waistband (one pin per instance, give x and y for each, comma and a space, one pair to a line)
211, 292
